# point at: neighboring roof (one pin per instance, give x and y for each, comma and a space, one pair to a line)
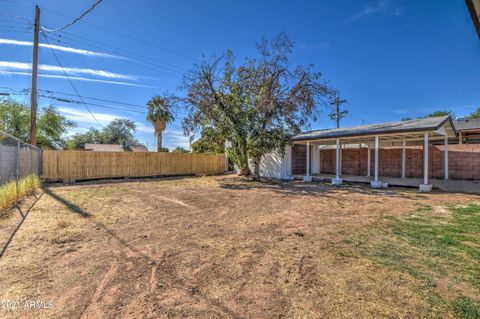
104, 147
419, 125
467, 124
138, 148
474, 9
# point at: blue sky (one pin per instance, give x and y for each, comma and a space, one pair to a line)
389, 58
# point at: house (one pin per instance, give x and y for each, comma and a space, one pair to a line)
138, 148
104, 147
468, 131
406, 153
115, 148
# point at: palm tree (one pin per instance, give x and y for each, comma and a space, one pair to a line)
159, 115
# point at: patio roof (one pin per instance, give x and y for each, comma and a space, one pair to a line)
434, 124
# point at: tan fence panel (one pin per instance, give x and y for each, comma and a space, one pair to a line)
79, 165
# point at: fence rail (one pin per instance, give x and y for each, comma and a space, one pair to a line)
80, 165
17, 159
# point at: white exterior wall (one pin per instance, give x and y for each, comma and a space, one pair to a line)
274, 165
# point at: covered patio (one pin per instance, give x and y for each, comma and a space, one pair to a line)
373, 138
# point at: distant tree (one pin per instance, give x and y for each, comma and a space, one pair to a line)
440, 113
79, 140
474, 115
15, 119
209, 142
119, 131
407, 119
258, 105
159, 115
51, 125
163, 150
180, 149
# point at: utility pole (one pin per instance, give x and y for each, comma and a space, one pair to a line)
337, 114
33, 98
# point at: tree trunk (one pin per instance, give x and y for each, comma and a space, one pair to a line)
244, 169
256, 169
159, 141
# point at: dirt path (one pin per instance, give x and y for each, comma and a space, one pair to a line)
211, 247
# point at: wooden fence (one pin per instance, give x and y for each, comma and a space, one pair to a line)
80, 165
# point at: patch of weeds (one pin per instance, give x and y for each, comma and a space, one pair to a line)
465, 308
26, 186
299, 233
63, 224
428, 247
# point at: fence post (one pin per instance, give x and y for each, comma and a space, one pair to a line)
17, 164
30, 170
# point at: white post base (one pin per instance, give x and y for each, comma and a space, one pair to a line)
307, 179
376, 184
337, 181
425, 188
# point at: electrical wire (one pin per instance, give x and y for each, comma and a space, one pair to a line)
74, 20
123, 51
89, 103
16, 17
71, 82
125, 35
130, 61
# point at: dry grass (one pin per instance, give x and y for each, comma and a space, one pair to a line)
217, 247
8, 192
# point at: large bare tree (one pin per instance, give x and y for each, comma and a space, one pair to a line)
258, 105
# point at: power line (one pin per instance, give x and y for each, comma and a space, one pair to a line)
130, 61
94, 98
60, 99
71, 83
74, 20
123, 51
16, 17
14, 31
127, 36
89, 103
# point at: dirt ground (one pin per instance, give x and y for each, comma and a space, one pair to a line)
208, 247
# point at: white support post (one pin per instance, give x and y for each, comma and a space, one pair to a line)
404, 159
341, 160
319, 160
376, 158
369, 160
446, 157
337, 180
307, 177
460, 138
425, 187
376, 183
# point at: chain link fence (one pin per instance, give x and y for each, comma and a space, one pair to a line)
19, 162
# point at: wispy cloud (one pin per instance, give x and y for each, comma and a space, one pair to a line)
385, 7
86, 118
64, 49
74, 78
9, 65
174, 138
